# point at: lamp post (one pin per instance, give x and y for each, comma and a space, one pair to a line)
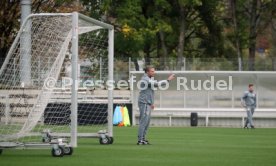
25, 44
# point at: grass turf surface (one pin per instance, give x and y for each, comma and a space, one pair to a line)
170, 147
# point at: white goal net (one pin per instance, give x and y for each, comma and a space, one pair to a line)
48, 79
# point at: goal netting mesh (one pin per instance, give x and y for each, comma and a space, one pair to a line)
35, 79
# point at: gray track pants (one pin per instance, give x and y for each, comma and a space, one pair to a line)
249, 120
144, 121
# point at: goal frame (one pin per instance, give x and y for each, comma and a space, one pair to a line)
74, 66
74, 97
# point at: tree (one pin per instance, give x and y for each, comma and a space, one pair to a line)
248, 20
131, 31
273, 41
259, 13
182, 28
254, 19
10, 15
138, 25
185, 10
181, 40
212, 30
237, 40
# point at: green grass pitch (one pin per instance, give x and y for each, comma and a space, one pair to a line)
170, 147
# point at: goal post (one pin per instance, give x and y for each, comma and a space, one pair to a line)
74, 97
62, 45
75, 18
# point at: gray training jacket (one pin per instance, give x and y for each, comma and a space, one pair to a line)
147, 89
249, 99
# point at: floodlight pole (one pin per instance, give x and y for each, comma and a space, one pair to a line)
25, 44
25, 9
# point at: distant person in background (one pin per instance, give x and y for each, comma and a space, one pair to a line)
146, 101
248, 101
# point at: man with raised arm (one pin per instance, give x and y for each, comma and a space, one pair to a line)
146, 101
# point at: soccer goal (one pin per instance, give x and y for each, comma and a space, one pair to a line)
48, 94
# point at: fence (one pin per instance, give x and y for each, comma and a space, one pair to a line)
179, 101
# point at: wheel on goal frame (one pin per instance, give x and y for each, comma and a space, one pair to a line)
104, 140
46, 139
1, 151
110, 140
57, 152
68, 150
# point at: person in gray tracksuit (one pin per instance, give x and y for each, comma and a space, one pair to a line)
249, 103
146, 101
